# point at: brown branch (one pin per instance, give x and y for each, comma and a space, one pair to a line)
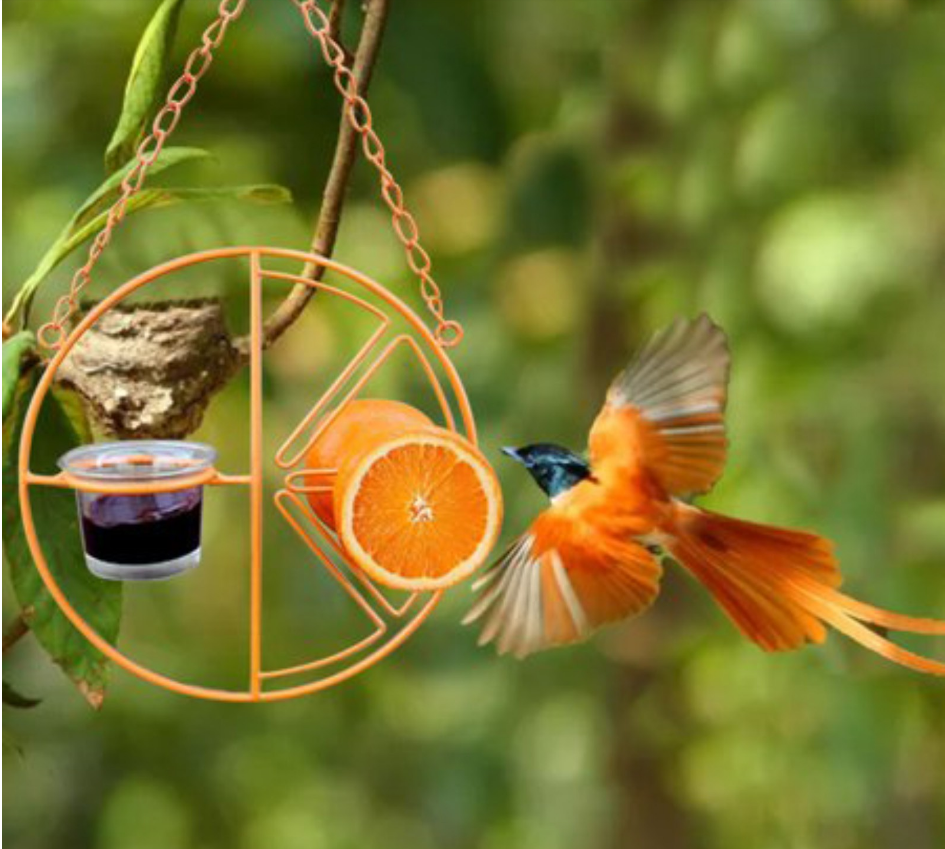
336, 186
17, 629
335, 16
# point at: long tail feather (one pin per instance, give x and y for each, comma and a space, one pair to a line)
778, 587
869, 638
877, 615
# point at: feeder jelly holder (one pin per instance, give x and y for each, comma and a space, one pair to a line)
172, 475
133, 526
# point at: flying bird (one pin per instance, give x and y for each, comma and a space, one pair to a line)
594, 555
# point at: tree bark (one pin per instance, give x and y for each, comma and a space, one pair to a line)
648, 812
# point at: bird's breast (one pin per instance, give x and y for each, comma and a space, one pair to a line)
620, 509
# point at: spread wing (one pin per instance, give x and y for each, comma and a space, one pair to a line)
665, 412
558, 582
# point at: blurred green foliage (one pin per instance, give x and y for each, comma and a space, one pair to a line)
582, 172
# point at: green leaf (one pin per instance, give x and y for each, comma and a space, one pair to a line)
94, 214
93, 205
106, 193
71, 404
262, 193
56, 518
145, 84
14, 698
16, 351
162, 197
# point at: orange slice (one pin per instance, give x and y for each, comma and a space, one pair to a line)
418, 511
358, 420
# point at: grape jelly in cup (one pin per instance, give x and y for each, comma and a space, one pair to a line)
139, 535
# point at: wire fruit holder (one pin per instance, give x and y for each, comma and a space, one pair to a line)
397, 327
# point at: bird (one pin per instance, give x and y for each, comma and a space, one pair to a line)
595, 555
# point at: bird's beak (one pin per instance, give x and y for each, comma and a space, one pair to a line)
513, 453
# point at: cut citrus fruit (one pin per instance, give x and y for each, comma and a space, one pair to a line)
417, 511
358, 420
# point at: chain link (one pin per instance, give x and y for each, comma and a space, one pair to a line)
447, 332
52, 335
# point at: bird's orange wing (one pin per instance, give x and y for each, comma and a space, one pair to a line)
561, 579
664, 413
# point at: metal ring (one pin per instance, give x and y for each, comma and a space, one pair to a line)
51, 336
449, 333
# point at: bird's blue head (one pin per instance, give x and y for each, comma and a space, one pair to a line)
555, 469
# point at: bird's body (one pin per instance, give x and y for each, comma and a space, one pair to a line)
593, 556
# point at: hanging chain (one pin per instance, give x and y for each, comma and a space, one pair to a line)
52, 335
448, 333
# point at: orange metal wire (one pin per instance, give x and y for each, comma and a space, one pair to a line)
447, 332
427, 347
392, 624
256, 475
148, 486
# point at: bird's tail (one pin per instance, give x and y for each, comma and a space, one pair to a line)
779, 587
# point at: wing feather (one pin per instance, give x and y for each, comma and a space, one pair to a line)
555, 585
665, 412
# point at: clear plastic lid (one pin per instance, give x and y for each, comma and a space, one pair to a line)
138, 460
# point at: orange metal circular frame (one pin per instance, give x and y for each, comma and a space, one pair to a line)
392, 625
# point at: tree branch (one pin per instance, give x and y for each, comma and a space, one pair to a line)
336, 186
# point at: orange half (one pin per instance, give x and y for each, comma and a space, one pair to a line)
359, 421
419, 511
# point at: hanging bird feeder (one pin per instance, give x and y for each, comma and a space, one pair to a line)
140, 502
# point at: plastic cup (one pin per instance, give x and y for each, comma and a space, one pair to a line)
142, 536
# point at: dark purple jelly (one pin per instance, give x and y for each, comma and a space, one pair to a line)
140, 529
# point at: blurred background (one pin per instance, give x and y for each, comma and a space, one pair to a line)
582, 172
